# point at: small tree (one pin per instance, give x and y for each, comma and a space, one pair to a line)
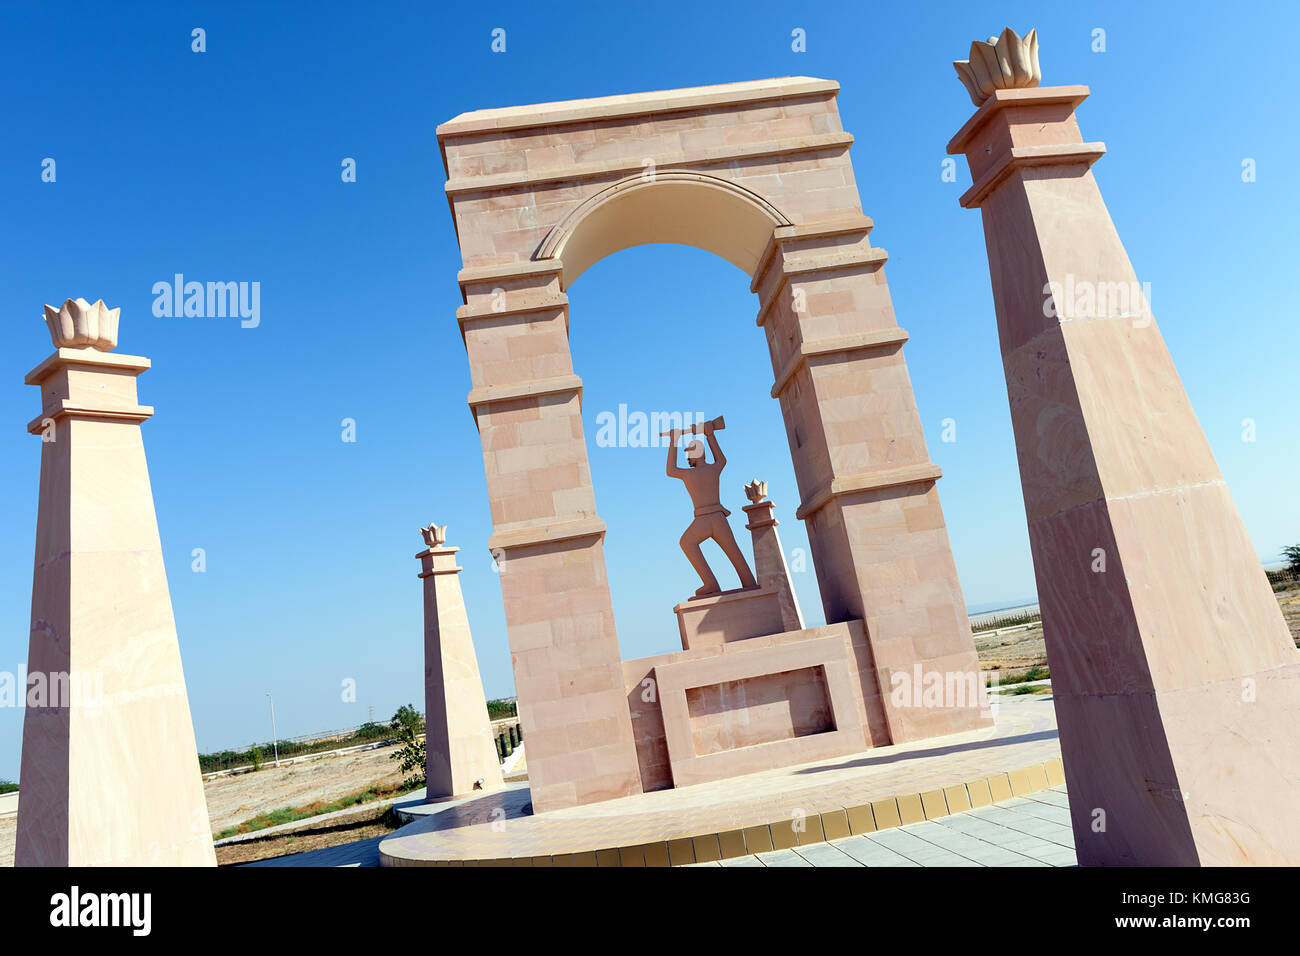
255, 757
406, 725
1292, 555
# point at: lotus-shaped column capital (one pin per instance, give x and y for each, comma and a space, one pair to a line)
435, 535
1008, 62
756, 491
78, 324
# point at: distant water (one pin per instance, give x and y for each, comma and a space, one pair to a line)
990, 618
1002, 607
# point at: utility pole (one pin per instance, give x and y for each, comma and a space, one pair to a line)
275, 742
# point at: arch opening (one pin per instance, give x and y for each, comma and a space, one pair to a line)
687, 209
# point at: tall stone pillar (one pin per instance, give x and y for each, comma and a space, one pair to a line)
547, 539
459, 752
770, 568
1176, 682
868, 487
110, 774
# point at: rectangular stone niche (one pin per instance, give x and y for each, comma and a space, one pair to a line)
759, 710
756, 708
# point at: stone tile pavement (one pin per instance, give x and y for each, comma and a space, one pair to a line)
1033, 830
361, 853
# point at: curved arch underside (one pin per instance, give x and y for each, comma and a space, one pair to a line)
688, 209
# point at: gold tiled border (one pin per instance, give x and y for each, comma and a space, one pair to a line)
816, 828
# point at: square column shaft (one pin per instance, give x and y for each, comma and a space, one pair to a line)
548, 540
1175, 680
875, 525
110, 775
457, 734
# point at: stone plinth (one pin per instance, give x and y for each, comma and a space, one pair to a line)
458, 738
773, 700
110, 774
752, 707
1175, 680
757, 706
729, 616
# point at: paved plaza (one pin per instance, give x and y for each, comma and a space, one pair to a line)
1025, 831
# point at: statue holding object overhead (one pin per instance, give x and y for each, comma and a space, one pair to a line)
701, 478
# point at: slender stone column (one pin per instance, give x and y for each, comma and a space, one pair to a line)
110, 774
770, 568
459, 752
1175, 680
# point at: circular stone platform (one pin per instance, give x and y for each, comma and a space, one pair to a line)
804, 804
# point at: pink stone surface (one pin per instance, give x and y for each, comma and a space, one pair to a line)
644, 696
769, 562
568, 674
1175, 679
459, 754
757, 705
729, 616
110, 775
759, 710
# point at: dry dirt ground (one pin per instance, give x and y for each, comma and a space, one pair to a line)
234, 799
1290, 601
1013, 653
359, 826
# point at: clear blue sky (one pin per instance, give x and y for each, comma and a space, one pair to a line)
226, 166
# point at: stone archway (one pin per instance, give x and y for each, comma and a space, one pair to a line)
758, 173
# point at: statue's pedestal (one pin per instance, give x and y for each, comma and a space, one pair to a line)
729, 616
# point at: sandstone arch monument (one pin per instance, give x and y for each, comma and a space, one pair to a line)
759, 174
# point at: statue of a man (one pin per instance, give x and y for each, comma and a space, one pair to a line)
701, 480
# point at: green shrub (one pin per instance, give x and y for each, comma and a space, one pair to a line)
406, 726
